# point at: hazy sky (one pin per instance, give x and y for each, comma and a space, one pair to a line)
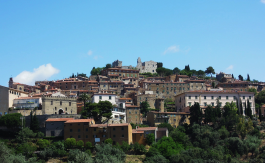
53, 39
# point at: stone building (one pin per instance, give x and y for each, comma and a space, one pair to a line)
204, 98
133, 114
148, 66
121, 72
58, 105
23, 87
173, 118
55, 126
222, 75
116, 63
7, 96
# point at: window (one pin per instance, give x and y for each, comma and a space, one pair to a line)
69, 103
250, 104
205, 104
250, 97
65, 108
78, 130
212, 97
86, 136
220, 97
113, 128
195, 97
234, 97
189, 103
100, 97
227, 97
129, 112
71, 130
51, 102
79, 136
136, 112
61, 102
204, 97
114, 136
95, 129
122, 128
122, 135
243, 97
109, 97
212, 104
55, 108
86, 129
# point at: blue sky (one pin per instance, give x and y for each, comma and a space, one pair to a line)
53, 39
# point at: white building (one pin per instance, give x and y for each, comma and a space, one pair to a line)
184, 100
7, 96
104, 97
118, 111
27, 102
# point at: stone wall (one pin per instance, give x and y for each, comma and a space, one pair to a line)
26, 112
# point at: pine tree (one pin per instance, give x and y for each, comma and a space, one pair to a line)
232, 76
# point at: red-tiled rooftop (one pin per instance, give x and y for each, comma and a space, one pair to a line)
134, 131
125, 98
109, 125
170, 112
78, 120
146, 128
132, 106
58, 119
22, 98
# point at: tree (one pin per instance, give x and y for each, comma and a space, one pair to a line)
229, 109
213, 84
240, 77
232, 76
253, 90
195, 114
209, 114
200, 73
11, 120
167, 147
96, 71
80, 144
179, 136
138, 149
108, 153
70, 143
89, 145
34, 124
145, 107
248, 78
78, 156
260, 115
98, 110
43, 143
164, 71
150, 138
166, 125
24, 135
7, 156
244, 126
108, 66
187, 68
84, 97
176, 70
159, 64
209, 70
241, 108
108, 141
248, 110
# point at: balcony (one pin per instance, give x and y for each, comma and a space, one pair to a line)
162, 117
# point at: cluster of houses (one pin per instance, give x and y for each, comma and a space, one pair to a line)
126, 89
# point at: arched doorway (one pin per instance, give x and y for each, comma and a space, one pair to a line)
60, 111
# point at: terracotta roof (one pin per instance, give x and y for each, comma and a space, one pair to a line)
109, 125
78, 120
263, 105
162, 129
217, 92
125, 98
22, 98
146, 128
134, 131
58, 119
183, 76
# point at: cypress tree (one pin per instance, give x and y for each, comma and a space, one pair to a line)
246, 112
241, 107
249, 110
238, 109
35, 124
31, 121
260, 116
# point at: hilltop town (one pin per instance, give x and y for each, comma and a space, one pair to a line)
120, 103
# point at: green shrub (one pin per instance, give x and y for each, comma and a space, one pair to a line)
150, 138
80, 144
70, 143
108, 141
43, 143
89, 145
138, 149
